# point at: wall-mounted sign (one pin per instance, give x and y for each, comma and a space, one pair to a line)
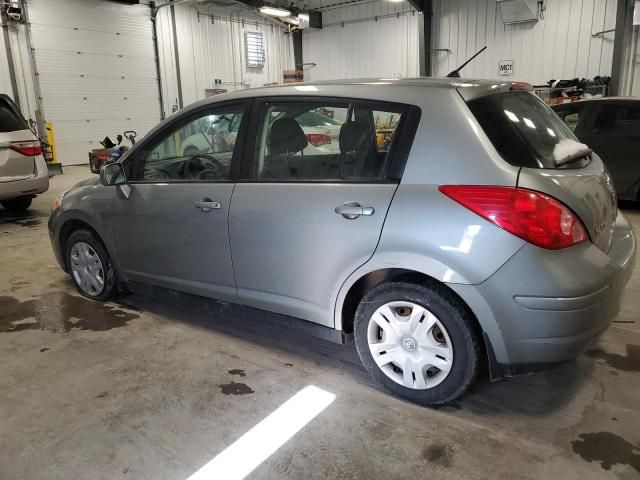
505, 67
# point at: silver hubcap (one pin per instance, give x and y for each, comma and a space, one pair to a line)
87, 269
410, 345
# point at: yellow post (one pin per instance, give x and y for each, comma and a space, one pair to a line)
51, 141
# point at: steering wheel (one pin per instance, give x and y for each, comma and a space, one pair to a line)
202, 166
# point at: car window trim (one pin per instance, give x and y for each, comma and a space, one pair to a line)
399, 151
196, 113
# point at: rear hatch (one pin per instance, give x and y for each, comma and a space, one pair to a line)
17, 144
525, 131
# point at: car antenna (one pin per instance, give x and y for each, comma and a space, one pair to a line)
456, 72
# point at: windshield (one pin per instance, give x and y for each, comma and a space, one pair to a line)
521, 127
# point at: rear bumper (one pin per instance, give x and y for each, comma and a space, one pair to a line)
550, 305
32, 186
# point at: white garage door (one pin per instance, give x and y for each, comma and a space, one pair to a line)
97, 73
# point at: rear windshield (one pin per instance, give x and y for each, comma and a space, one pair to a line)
521, 127
10, 121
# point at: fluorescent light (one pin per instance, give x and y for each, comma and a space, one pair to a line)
275, 11
306, 88
242, 457
292, 20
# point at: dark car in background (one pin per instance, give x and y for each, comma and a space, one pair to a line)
611, 127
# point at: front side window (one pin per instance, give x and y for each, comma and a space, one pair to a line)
318, 141
570, 115
199, 149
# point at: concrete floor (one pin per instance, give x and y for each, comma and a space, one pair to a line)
152, 389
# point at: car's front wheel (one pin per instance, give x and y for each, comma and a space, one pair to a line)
17, 204
90, 266
417, 341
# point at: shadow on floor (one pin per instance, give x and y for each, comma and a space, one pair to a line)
533, 395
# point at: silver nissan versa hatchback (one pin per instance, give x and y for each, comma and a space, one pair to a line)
457, 222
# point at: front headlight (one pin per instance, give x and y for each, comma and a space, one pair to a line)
57, 203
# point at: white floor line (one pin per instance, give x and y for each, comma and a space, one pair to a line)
241, 457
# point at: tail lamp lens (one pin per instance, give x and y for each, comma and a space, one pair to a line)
530, 215
28, 149
318, 139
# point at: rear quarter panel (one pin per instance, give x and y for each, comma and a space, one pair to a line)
427, 232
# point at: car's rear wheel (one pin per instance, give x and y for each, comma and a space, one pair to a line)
90, 266
17, 204
417, 341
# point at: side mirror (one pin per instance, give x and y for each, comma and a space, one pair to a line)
112, 174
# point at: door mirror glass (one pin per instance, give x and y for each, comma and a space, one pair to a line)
112, 174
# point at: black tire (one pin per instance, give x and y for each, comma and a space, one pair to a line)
455, 318
17, 204
109, 290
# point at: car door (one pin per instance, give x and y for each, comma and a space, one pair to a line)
615, 136
171, 228
303, 219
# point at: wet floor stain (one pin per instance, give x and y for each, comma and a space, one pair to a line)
607, 449
234, 388
628, 363
237, 371
102, 395
60, 312
29, 223
437, 453
28, 219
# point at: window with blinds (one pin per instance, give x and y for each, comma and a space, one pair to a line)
254, 49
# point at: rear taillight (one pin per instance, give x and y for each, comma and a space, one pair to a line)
318, 139
30, 148
530, 215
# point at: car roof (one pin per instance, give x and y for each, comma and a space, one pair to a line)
403, 90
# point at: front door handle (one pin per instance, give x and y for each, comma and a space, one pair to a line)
353, 210
206, 205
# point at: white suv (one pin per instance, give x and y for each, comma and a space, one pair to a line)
23, 171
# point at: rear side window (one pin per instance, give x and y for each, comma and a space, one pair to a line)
619, 120
521, 127
10, 120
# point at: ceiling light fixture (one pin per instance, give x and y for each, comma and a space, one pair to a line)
275, 11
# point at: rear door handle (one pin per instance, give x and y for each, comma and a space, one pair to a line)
206, 205
353, 210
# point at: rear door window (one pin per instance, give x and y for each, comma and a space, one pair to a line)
324, 141
521, 127
10, 119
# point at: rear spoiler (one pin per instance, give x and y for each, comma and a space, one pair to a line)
471, 89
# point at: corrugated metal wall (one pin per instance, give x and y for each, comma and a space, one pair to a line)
560, 46
377, 39
211, 45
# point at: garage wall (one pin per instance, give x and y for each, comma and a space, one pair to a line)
96, 69
211, 45
354, 43
560, 46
